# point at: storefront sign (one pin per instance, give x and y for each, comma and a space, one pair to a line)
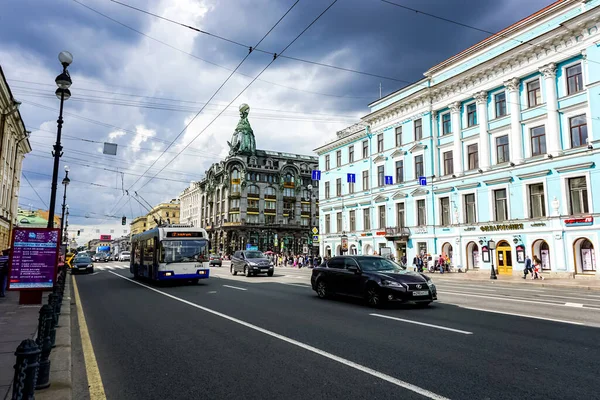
537, 224
33, 258
502, 227
420, 229
520, 253
485, 254
380, 233
366, 234
344, 243
105, 237
583, 221
470, 229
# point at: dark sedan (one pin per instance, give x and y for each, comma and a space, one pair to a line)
82, 264
375, 279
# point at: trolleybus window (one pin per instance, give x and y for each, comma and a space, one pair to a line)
174, 251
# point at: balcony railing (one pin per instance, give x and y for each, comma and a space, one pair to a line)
401, 232
252, 209
289, 198
253, 196
235, 195
271, 196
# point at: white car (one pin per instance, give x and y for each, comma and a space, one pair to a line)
125, 256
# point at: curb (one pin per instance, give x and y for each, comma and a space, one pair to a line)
526, 283
61, 385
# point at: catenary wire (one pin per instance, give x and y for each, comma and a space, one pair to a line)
35, 191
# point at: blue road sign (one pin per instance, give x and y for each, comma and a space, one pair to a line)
389, 180
351, 178
316, 175
422, 181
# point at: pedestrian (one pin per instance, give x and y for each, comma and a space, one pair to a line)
415, 262
537, 268
528, 268
403, 260
3, 272
441, 263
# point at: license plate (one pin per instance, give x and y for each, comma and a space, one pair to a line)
420, 293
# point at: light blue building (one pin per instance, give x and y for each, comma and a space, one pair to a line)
505, 136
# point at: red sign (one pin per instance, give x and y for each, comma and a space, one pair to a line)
105, 237
380, 233
579, 221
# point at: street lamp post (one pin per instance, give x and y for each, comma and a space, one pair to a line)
492, 247
65, 183
66, 234
63, 81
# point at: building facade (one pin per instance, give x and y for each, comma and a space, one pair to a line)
495, 147
255, 198
167, 213
138, 225
14, 144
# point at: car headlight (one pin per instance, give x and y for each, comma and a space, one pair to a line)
430, 284
90, 266
253, 264
386, 282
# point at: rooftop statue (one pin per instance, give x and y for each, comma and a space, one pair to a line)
242, 141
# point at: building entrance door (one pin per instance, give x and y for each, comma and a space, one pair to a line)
504, 258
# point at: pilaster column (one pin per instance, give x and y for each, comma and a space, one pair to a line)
484, 137
553, 145
516, 136
434, 132
456, 131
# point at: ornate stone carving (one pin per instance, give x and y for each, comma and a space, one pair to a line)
481, 97
549, 70
455, 107
512, 84
242, 141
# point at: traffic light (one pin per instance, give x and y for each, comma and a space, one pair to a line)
124, 221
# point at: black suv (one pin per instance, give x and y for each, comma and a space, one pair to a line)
375, 279
250, 262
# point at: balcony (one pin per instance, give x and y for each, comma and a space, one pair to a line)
271, 196
289, 198
305, 213
234, 209
235, 195
252, 209
397, 233
253, 196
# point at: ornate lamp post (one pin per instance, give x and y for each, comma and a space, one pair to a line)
492, 247
65, 183
63, 81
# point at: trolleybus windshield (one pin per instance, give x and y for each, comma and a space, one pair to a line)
175, 251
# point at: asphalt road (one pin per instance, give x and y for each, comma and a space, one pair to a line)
272, 338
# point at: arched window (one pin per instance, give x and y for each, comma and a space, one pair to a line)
270, 191
235, 174
253, 189
288, 178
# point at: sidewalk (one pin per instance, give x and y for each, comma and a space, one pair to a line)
564, 283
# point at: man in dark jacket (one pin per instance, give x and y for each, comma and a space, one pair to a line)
528, 268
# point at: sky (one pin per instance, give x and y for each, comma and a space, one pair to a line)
138, 81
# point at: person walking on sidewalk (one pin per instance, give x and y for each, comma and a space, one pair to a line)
528, 268
3, 272
537, 268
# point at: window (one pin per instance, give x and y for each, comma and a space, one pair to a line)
338, 158
270, 205
338, 218
327, 192
579, 133
448, 163
473, 156
234, 204
398, 136
353, 221
351, 154
446, 124
538, 140
365, 149
472, 114
418, 129
327, 223
500, 205
253, 203
470, 210
252, 219
304, 221
537, 205
534, 95
380, 176
500, 104
380, 143
445, 211
289, 192
419, 166
399, 171
338, 187
574, 79
421, 217
365, 180
400, 218
350, 187
381, 210
269, 191
253, 190
578, 197
366, 219
327, 162
502, 153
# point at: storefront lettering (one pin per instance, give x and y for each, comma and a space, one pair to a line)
470, 229
421, 229
502, 227
380, 233
579, 221
536, 224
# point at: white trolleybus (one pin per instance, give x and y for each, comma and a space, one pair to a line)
171, 252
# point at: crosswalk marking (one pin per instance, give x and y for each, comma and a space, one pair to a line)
110, 267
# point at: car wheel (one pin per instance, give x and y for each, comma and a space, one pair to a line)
270, 273
373, 296
232, 270
322, 290
247, 272
91, 270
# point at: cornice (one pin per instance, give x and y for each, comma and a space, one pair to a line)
340, 142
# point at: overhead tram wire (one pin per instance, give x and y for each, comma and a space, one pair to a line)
35, 191
247, 86
215, 64
250, 49
259, 50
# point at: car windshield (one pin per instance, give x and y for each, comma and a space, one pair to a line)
83, 259
380, 264
254, 254
175, 251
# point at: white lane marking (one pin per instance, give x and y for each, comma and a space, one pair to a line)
351, 364
499, 298
234, 287
302, 285
524, 315
443, 285
99, 268
121, 266
109, 267
496, 287
568, 297
423, 324
577, 305
212, 291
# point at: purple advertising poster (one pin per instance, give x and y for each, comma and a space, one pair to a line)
33, 258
